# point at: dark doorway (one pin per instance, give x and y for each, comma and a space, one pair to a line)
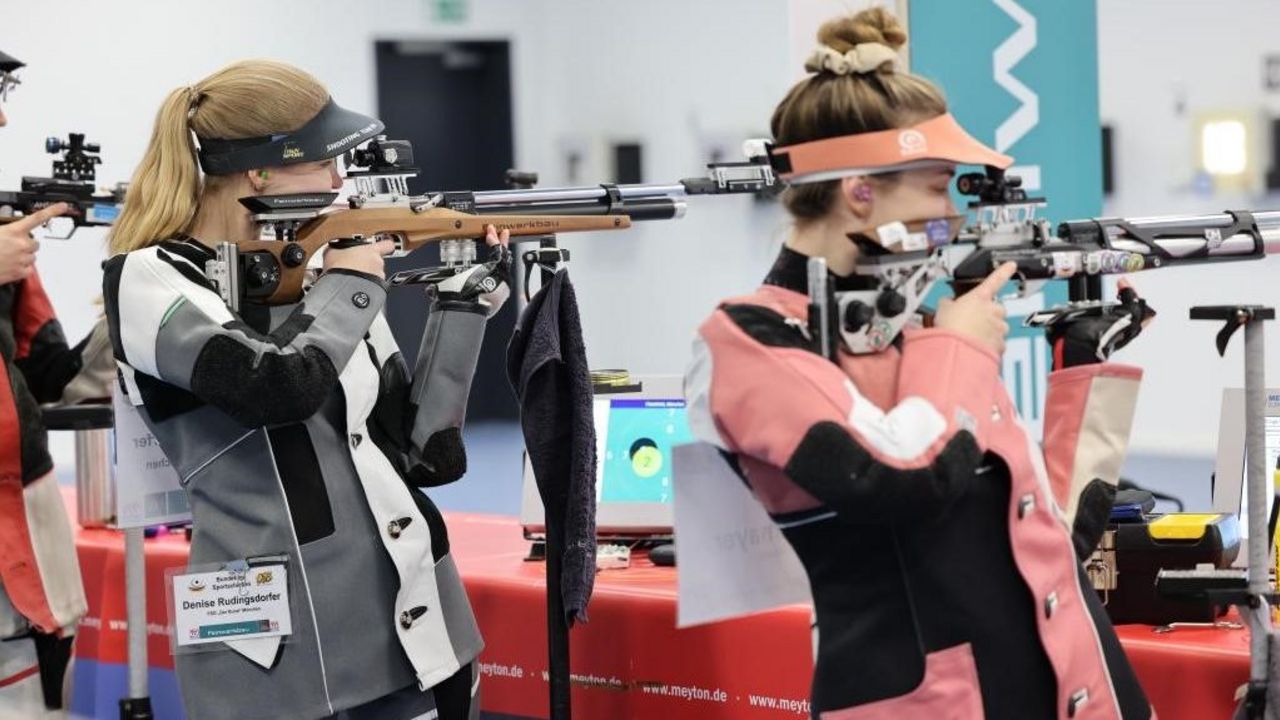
452, 100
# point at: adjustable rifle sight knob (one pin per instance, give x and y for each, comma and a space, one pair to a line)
259, 276
520, 179
890, 303
857, 316
54, 144
293, 255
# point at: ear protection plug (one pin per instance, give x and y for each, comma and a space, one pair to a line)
862, 193
263, 174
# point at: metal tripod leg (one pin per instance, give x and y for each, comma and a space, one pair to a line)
137, 706
1257, 611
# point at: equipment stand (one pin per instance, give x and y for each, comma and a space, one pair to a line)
1255, 604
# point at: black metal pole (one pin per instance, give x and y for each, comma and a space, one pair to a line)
557, 622
558, 679
557, 626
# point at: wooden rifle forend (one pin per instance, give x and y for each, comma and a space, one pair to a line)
279, 280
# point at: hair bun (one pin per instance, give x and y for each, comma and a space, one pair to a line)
874, 25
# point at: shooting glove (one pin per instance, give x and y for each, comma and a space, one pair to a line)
1093, 337
486, 282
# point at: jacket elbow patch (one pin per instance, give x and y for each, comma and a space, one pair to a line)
280, 388
833, 467
768, 327
444, 459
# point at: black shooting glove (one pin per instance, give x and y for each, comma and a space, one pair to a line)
487, 281
1092, 337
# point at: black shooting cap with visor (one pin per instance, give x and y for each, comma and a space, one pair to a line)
9, 63
333, 131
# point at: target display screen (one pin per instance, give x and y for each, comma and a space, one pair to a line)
634, 439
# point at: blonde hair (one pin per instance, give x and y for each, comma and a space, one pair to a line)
831, 104
251, 98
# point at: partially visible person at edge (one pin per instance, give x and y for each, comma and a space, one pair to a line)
41, 592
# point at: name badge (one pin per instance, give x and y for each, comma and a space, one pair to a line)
231, 605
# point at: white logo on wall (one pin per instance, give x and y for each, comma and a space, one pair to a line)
912, 142
1024, 357
1027, 115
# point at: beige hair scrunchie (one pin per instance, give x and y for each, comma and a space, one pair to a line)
861, 58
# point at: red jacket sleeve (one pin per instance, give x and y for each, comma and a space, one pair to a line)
44, 359
1087, 417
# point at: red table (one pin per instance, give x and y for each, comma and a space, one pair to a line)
102, 633
1190, 672
630, 661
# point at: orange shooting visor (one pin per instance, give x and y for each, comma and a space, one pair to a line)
934, 141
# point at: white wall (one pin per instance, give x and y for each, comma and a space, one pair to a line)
680, 77
104, 68
1154, 57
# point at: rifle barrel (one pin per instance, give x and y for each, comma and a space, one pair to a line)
641, 209
1268, 222
1180, 235
596, 193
